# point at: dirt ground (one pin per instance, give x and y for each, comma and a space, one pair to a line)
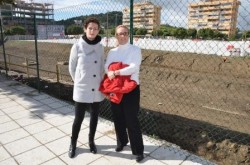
199, 102
206, 99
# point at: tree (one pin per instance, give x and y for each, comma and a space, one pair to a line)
2, 2
173, 32
112, 31
192, 33
181, 33
74, 30
15, 30
7, 32
101, 31
219, 35
203, 33
166, 29
246, 34
18, 30
135, 30
114, 19
157, 32
209, 33
141, 31
232, 38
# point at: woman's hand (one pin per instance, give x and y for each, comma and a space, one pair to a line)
111, 75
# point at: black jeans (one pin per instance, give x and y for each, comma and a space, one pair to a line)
126, 121
80, 109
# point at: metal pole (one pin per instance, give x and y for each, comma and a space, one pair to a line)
37, 61
131, 20
107, 30
4, 55
115, 20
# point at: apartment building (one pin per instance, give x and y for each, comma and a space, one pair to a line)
218, 15
146, 15
22, 13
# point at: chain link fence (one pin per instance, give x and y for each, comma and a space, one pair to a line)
195, 82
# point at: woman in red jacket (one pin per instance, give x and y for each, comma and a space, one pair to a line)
125, 113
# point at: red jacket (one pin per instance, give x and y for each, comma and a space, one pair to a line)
119, 85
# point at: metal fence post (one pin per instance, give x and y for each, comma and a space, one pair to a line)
9, 62
27, 66
57, 73
37, 61
131, 20
4, 55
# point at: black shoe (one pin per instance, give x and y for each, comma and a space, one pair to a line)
72, 151
119, 148
139, 158
92, 147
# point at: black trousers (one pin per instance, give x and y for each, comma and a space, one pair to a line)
80, 109
127, 126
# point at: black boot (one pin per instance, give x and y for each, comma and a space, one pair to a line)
119, 148
139, 157
92, 147
72, 149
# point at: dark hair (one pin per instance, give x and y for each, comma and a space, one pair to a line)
91, 20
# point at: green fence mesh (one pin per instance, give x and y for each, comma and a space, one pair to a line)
195, 72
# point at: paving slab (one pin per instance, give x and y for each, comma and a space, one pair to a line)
35, 128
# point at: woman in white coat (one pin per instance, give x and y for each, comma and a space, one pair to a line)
86, 67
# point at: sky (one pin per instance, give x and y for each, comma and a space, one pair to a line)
174, 12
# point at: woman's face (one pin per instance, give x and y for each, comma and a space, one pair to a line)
122, 35
91, 31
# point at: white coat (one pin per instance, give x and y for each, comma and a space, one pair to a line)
86, 67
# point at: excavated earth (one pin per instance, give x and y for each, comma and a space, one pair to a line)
199, 102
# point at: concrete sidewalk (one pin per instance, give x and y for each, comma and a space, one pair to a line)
35, 129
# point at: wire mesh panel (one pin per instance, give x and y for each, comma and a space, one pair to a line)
195, 72
195, 75
195, 82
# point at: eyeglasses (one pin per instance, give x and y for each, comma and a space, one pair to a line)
122, 34
94, 29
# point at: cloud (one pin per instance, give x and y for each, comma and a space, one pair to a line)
174, 12
92, 7
59, 4
244, 15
